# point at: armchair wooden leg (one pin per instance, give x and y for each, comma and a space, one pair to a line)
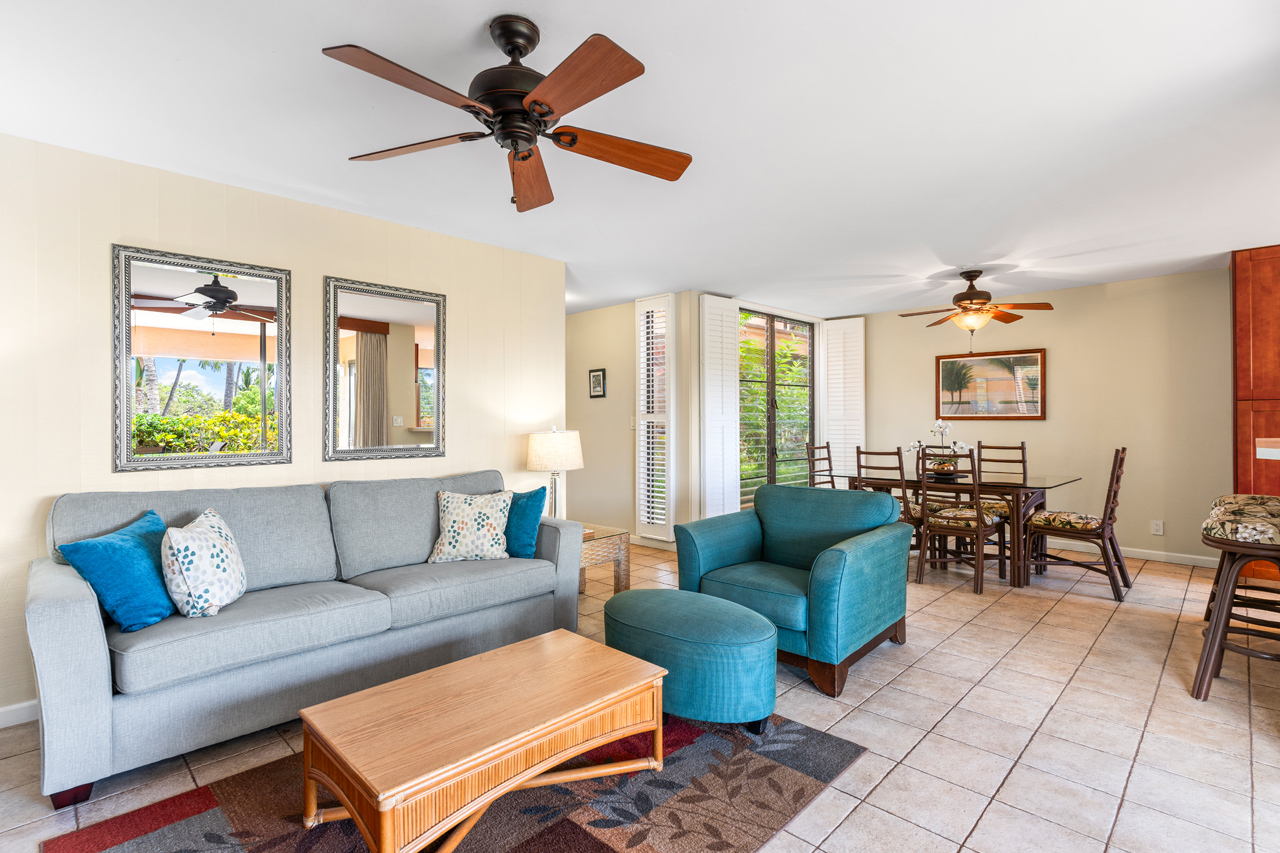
829, 677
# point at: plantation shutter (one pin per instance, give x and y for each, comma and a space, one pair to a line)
653, 417
719, 379
845, 386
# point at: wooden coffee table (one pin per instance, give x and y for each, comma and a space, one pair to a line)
411, 759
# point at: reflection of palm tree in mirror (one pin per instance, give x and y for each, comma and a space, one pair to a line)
229, 388
955, 378
177, 377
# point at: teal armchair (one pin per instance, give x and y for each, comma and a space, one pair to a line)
828, 567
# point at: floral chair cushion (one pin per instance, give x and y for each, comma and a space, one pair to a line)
960, 516
1264, 505
916, 512
999, 508
1066, 520
1259, 530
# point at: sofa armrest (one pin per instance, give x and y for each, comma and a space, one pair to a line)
73, 676
712, 543
857, 589
560, 542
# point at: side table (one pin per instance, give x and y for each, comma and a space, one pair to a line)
604, 545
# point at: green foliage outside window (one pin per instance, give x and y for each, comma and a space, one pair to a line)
195, 434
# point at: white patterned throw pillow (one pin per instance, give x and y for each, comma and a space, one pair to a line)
202, 566
472, 527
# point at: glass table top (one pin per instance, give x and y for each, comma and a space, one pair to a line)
592, 532
1033, 481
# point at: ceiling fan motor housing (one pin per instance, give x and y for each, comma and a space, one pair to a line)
503, 90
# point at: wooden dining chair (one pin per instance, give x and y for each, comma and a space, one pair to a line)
820, 473
1095, 530
1006, 463
882, 466
957, 512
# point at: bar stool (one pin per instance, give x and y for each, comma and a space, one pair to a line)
1242, 537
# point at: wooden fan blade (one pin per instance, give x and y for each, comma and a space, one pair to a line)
420, 146
1026, 306
637, 156
529, 182
596, 67
943, 320
921, 313
1004, 316
380, 66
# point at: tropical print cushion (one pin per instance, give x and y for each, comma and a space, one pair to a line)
960, 516
1066, 520
472, 527
1238, 501
1259, 530
999, 508
915, 510
201, 564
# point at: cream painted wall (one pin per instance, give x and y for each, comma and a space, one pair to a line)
1145, 364
402, 388
603, 490
60, 213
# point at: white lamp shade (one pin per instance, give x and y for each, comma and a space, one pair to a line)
555, 451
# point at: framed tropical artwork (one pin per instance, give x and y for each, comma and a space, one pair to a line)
991, 386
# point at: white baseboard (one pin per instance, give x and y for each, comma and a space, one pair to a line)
22, 712
1142, 554
650, 542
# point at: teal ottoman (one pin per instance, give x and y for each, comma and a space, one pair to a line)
720, 657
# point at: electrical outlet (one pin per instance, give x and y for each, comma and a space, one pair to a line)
397, 421
1157, 528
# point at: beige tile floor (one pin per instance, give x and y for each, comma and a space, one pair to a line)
1039, 719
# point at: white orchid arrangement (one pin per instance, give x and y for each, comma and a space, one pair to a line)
939, 429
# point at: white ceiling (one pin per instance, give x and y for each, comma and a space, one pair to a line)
843, 152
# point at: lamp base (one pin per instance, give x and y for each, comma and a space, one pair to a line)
555, 508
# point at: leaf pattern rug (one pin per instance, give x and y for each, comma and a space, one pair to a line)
720, 789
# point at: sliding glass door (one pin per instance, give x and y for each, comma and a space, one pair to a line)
775, 391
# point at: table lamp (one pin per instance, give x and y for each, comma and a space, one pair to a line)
555, 451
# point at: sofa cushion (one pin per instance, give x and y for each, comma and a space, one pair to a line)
779, 593
427, 591
799, 523
261, 625
381, 524
282, 531
123, 568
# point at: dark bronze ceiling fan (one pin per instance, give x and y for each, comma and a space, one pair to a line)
973, 308
519, 105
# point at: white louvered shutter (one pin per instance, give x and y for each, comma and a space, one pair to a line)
845, 386
653, 417
721, 483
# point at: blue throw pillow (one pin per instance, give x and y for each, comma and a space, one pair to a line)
124, 570
523, 521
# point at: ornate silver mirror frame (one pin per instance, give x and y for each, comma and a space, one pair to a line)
412, 418
267, 442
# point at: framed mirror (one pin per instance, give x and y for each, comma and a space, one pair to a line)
384, 371
201, 362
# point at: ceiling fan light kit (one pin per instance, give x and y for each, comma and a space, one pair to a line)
973, 308
518, 106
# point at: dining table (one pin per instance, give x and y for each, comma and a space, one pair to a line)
1021, 493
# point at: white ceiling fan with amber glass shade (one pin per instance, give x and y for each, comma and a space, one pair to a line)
973, 308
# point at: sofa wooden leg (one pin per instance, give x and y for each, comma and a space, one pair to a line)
71, 796
899, 634
829, 677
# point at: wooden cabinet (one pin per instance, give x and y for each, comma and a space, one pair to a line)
1255, 299
1255, 295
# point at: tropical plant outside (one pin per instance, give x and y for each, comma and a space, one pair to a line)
195, 434
792, 393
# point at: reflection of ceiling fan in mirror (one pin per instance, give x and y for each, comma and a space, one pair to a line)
518, 105
973, 308
210, 300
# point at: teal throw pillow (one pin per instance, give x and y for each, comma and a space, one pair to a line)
523, 521
124, 570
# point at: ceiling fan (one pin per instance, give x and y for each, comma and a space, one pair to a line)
519, 105
209, 300
973, 308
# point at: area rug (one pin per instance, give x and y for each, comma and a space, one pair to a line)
721, 789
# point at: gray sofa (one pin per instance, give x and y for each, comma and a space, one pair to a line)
339, 598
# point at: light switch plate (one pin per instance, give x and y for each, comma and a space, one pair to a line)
397, 421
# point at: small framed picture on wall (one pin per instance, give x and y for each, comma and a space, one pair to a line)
595, 382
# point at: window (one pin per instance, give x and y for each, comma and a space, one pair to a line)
653, 418
426, 397
775, 392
